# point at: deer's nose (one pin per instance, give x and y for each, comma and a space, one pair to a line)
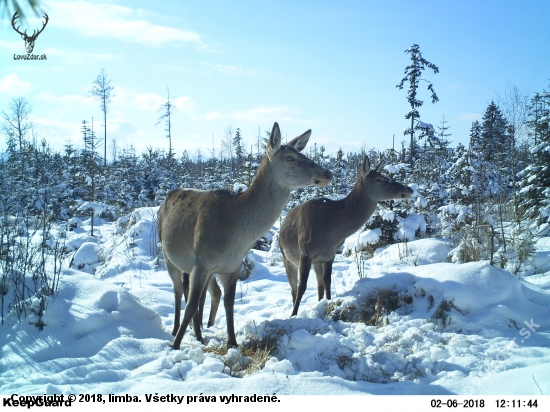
328, 174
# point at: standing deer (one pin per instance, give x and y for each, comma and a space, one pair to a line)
209, 232
313, 232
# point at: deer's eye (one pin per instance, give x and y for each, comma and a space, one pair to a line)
379, 180
289, 158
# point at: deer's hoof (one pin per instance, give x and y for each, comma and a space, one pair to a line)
175, 345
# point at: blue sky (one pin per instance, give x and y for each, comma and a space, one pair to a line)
331, 66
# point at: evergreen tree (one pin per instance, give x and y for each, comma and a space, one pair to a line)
187, 167
151, 166
90, 163
484, 180
442, 135
534, 185
495, 140
127, 182
458, 176
169, 174
249, 168
339, 183
238, 147
413, 75
73, 185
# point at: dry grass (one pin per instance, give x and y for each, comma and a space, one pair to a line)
443, 311
373, 309
253, 353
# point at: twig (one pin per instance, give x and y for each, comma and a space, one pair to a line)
533, 376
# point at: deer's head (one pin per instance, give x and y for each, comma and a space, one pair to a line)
292, 169
380, 187
29, 40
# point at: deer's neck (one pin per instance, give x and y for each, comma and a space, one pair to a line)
262, 203
358, 207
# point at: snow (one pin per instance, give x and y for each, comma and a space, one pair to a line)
98, 208
240, 187
360, 239
426, 126
396, 168
409, 225
454, 329
541, 259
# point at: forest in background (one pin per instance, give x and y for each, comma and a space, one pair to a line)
491, 198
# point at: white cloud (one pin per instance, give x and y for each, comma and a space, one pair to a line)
471, 117
15, 46
151, 102
12, 84
77, 56
113, 21
185, 105
234, 70
213, 116
332, 144
66, 99
259, 115
57, 131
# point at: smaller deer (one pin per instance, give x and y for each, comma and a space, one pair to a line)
313, 232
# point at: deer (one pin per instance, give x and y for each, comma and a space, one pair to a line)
29, 40
208, 232
313, 232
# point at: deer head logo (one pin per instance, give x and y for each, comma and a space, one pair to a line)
29, 40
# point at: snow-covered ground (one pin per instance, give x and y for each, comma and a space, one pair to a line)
414, 324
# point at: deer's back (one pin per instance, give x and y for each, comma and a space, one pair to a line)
312, 229
198, 225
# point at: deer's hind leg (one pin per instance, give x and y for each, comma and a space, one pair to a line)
198, 281
305, 267
323, 272
179, 289
229, 282
318, 268
215, 296
292, 277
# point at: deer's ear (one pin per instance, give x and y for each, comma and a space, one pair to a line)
365, 167
380, 165
299, 143
274, 143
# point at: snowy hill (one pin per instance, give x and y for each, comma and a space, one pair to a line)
414, 324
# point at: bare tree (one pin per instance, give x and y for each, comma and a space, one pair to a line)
16, 125
228, 148
514, 104
165, 111
103, 91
